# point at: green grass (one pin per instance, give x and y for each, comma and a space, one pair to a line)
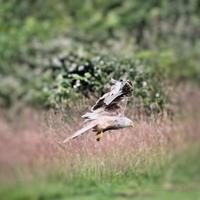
179, 179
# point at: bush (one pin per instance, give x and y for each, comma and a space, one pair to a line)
91, 75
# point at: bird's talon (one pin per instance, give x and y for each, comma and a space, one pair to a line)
99, 136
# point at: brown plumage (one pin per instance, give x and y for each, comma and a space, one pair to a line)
108, 111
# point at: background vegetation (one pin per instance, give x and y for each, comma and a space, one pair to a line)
52, 51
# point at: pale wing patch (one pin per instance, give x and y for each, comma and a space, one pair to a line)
80, 131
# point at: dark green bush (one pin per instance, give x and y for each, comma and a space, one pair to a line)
91, 75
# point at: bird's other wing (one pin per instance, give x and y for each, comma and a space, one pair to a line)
100, 102
108, 97
117, 102
81, 131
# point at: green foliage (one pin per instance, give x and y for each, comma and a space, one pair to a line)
93, 74
163, 35
87, 75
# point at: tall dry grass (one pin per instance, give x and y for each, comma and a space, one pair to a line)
30, 142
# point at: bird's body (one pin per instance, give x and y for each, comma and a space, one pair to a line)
106, 123
108, 112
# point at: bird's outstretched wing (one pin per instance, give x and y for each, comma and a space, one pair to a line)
81, 131
113, 102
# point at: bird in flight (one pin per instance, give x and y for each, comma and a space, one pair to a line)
108, 111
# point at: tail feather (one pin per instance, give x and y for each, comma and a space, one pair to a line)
80, 132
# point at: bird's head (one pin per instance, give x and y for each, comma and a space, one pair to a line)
124, 122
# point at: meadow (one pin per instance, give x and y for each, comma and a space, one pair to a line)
157, 159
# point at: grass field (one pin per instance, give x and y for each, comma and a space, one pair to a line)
179, 180
158, 159
126, 187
